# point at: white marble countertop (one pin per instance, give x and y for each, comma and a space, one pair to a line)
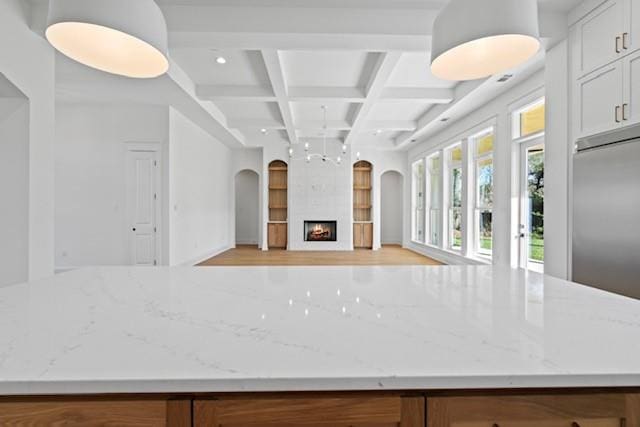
228, 329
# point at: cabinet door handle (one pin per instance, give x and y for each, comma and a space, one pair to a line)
618, 40
625, 116
617, 114
625, 44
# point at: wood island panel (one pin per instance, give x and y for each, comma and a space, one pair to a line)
95, 413
581, 410
362, 411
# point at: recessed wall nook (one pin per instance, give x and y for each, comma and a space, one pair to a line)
278, 205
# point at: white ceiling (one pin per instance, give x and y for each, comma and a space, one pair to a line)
366, 60
555, 5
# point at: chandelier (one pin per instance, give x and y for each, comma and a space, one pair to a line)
323, 156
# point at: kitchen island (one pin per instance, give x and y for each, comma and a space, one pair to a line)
312, 345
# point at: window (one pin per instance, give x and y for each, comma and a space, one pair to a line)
530, 120
418, 205
454, 224
433, 167
483, 213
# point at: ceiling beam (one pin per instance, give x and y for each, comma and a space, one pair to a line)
318, 125
417, 94
322, 94
235, 93
273, 63
257, 124
327, 94
389, 125
437, 112
386, 64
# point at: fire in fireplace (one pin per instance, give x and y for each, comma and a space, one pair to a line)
320, 231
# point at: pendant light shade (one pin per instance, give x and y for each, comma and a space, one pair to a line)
474, 39
124, 37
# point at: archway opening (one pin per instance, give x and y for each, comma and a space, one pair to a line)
391, 212
247, 193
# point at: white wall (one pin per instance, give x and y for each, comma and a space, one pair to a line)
498, 112
247, 207
90, 185
201, 200
27, 60
14, 190
391, 206
557, 175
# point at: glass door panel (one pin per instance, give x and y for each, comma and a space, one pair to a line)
532, 206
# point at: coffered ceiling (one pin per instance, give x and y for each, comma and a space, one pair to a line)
367, 61
371, 97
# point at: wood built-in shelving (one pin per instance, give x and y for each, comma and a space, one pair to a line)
362, 205
278, 205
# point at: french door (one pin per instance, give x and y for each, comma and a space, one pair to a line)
531, 227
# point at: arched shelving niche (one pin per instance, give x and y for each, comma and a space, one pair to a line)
278, 205
362, 205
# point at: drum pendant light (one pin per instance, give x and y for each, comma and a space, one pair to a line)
123, 37
473, 39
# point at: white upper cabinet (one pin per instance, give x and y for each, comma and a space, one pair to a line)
632, 16
599, 101
605, 57
631, 105
599, 36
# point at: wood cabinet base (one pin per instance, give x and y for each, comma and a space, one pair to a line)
373, 409
277, 235
96, 412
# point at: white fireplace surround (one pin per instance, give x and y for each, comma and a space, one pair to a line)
321, 190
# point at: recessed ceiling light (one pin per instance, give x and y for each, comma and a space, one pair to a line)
444, 119
221, 60
378, 132
264, 131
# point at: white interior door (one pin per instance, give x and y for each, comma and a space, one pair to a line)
142, 195
531, 232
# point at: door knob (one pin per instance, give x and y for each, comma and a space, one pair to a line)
134, 229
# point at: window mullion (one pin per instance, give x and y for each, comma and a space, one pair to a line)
467, 202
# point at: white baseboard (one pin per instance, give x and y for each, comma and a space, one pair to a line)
210, 254
247, 243
444, 257
60, 270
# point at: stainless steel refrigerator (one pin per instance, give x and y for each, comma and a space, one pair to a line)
606, 212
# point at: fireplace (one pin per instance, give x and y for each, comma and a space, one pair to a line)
320, 231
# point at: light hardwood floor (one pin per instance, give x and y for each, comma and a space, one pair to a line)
251, 255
